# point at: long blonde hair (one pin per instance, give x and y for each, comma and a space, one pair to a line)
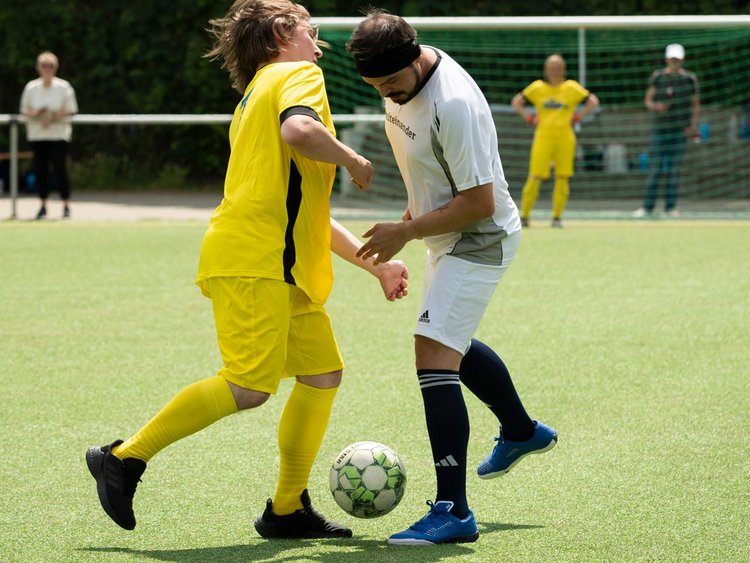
249, 34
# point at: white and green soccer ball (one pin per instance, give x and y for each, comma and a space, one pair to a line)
367, 479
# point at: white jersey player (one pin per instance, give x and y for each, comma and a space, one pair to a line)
443, 137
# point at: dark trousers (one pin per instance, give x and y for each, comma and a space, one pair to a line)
50, 156
665, 159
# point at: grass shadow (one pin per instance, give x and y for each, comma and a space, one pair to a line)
333, 550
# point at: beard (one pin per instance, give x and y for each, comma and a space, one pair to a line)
402, 97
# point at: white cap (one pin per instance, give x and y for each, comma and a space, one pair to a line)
675, 51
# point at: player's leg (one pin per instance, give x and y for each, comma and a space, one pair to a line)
314, 357
456, 295
563, 156
41, 170
676, 158
244, 308
486, 376
58, 155
539, 164
656, 163
560, 195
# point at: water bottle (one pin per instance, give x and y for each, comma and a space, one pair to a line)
703, 131
643, 162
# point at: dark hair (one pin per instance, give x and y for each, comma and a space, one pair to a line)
248, 35
379, 32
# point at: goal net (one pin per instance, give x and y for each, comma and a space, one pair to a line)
612, 151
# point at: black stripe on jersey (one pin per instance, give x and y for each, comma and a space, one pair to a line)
298, 110
293, 203
437, 151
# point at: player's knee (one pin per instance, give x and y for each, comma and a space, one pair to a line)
322, 381
247, 398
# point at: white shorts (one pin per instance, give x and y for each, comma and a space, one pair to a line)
456, 295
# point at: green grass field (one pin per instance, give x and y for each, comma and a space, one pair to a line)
630, 338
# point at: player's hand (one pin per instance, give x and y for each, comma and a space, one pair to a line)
532, 119
361, 171
393, 277
576, 118
660, 107
385, 240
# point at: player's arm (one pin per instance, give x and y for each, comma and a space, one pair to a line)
518, 103
392, 275
592, 102
651, 105
311, 139
695, 104
467, 208
26, 108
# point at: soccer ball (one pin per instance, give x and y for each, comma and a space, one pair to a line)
367, 479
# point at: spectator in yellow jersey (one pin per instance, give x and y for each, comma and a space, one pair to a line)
555, 100
266, 266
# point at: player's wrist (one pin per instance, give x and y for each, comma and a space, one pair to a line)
410, 230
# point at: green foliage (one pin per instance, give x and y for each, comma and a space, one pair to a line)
101, 171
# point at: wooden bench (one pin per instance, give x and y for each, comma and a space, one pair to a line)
22, 155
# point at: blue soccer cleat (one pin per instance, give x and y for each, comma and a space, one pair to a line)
438, 526
507, 454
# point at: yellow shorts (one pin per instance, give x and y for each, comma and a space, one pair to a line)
268, 329
548, 150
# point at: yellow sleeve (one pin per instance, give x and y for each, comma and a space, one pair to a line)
531, 92
578, 92
305, 87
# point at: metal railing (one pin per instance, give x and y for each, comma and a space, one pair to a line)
15, 120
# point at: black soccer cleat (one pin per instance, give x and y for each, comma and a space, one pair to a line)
116, 481
303, 523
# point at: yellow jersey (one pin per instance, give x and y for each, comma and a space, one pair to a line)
274, 219
555, 105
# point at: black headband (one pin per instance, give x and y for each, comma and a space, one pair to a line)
389, 61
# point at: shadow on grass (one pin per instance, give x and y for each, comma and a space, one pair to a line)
490, 527
332, 550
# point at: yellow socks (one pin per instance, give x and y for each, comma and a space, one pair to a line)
528, 195
560, 193
301, 430
192, 409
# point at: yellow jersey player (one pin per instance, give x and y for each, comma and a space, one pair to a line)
266, 266
555, 100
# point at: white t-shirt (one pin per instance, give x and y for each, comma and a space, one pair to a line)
58, 97
444, 141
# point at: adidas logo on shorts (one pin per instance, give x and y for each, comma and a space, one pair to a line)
425, 317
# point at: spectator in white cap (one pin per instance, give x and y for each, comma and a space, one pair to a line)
674, 98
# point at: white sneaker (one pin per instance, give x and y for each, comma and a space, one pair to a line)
673, 213
640, 212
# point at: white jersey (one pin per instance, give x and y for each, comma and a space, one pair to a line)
58, 97
444, 141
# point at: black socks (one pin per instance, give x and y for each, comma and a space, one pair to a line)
448, 428
485, 375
